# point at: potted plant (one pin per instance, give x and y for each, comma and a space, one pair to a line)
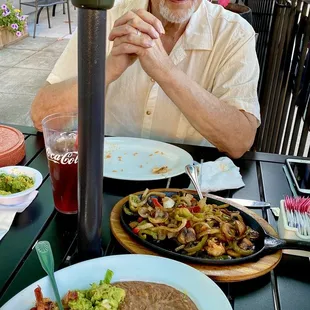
13, 25
235, 7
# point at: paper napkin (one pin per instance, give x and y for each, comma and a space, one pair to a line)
220, 175
7, 213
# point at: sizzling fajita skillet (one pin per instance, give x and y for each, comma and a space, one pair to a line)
264, 243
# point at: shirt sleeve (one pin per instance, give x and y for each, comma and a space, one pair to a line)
66, 66
237, 79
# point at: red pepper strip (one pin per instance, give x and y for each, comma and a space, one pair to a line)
195, 209
156, 203
188, 224
140, 219
136, 230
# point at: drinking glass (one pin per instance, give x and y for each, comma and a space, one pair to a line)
60, 137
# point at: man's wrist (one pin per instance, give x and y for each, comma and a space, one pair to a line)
110, 74
167, 74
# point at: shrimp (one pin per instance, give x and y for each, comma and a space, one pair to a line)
43, 303
39, 299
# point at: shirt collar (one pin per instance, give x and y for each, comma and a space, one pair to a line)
198, 33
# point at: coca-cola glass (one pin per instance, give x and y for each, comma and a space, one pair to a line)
60, 136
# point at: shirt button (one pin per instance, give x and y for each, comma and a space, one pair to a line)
148, 112
152, 80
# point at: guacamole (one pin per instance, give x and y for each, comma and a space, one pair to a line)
102, 296
11, 184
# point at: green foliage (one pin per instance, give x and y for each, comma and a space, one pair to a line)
12, 19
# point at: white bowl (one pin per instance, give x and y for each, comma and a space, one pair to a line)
20, 197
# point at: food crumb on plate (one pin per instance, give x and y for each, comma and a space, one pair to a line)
134, 154
114, 170
163, 169
151, 155
141, 166
108, 156
119, 158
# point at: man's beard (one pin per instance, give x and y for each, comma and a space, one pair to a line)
174, 17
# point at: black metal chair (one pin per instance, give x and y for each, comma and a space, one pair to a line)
285, 95
39, 5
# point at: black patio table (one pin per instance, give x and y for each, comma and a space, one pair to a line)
286, 288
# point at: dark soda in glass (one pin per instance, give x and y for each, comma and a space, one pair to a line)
64, 183
60, 136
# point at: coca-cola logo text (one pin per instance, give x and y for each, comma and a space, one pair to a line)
63, 159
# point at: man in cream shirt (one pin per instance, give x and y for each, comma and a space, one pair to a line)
182, 71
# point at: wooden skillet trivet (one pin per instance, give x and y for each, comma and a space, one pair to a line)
230, 273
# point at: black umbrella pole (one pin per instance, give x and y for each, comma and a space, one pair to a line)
91, 93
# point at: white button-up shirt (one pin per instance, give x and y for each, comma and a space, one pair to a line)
217, 50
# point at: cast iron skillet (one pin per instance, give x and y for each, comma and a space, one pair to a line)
265, 244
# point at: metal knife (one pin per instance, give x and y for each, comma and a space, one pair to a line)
250, 203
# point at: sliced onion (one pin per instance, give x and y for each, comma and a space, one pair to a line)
211, 231
168, 202
181, 247
174, 230
145, 226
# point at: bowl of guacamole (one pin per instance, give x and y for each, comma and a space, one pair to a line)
17, 183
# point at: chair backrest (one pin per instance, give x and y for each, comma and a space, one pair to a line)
285, 93
262, 15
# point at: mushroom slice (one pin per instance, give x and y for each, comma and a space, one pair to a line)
228, 231
252, 234
143, 212
246, 244
190, 235
160, 217
186, 235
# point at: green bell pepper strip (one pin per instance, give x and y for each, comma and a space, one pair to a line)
240, 251
198, 247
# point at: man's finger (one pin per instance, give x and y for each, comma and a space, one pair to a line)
133, 27
124, 19
140, 39
126, 48
137, 22
120, 31
151, 19
143, 26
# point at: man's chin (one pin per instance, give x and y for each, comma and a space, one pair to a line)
177, 11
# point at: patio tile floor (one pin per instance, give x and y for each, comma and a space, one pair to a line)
25, 65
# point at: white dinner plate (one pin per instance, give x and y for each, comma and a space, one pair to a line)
202, 290
134, 159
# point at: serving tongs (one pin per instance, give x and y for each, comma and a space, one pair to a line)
194, 173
